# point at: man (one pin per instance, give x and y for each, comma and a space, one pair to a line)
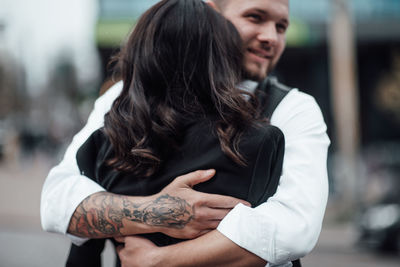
284, 228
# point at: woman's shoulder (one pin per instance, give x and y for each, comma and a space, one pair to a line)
262, 138
265, 132
271, 130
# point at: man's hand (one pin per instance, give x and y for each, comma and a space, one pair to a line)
137, 251
178, 211
212, 249
185, 213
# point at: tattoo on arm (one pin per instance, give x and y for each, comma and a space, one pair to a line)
101, 215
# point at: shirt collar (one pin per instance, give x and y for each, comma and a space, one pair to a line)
248, 85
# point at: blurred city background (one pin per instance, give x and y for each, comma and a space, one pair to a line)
53, 64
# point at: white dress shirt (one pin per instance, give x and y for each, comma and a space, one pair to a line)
284, 228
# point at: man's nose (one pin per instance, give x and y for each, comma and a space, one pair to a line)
268, 34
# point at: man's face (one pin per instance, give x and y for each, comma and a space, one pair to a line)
262, 25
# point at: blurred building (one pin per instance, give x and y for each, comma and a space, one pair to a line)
376, 27
38, 35
377, 39
48, 64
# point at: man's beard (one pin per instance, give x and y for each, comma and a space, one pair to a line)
257, 77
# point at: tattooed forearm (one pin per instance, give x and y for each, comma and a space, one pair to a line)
165, 211
105, 215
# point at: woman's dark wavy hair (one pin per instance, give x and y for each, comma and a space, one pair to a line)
181, 63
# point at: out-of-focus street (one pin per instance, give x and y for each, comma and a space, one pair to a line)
55, 61
336, 248
24, 244
23, 241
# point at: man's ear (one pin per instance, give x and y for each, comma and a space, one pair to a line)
212, 4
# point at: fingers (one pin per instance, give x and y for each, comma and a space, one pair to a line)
120, 239
222, 202
193, 178
119, 248
211, 214
211, 225
121, 252
211, 200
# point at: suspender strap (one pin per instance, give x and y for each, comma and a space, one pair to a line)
274, 92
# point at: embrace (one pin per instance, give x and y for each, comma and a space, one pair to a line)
197, 157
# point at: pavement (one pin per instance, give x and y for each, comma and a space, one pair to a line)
24, 244
336, 248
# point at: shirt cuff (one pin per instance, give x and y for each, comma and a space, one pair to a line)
68, 194
76, 240
248, 229
77, 195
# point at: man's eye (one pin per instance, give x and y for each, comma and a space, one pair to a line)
254, 17
281, 28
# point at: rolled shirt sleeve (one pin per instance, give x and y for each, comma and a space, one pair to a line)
65, 188
288, 225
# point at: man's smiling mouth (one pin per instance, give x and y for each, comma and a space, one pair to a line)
259, 53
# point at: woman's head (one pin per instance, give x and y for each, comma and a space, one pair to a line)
182, 51
182, 60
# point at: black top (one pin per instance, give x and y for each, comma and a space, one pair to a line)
262, 148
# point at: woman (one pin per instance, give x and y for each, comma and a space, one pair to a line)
179, 111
